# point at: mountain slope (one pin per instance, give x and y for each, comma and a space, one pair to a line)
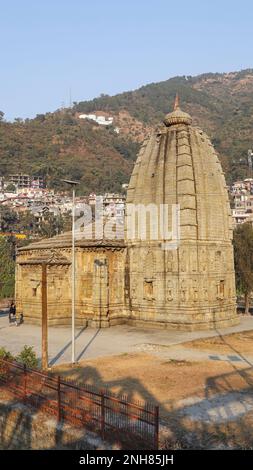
221, 104
60, 144
57, 146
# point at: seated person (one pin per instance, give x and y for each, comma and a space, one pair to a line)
12, 312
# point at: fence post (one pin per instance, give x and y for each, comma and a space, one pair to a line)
156, 435
102, 414
59, 398
25, 380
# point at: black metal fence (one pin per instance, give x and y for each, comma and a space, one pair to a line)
112, 417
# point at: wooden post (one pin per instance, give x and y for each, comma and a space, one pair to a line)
59, 398
44, 317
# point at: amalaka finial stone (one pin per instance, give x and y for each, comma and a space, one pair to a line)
177, 116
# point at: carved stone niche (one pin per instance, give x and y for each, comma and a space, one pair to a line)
206, 296
169, 291
117, 287
195, 291
133, 289
35, 284
134, 260
203, 260
194, 259
220, 289
183, 260
148, 289
100, 267
88, 286
218, 261
149, 265
183, 291
170, 261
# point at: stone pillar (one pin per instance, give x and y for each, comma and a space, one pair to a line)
100, 293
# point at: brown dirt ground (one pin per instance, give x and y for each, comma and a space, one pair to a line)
152, 377
148, 377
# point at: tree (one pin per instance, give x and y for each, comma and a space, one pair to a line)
1, 115
7, 268
243, 250
8, 219
10, 188
27, 223
53, 225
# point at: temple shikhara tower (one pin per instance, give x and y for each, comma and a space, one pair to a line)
192, 286
148, 280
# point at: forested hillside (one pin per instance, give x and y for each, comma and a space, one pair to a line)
60, 144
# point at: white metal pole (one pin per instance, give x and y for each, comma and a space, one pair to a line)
73, 277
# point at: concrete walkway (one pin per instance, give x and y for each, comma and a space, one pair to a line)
92, 343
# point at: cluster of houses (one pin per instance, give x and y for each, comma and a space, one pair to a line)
242, 201
23, 193
20, 194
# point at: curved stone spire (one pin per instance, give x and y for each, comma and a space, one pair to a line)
193, 285
177, 116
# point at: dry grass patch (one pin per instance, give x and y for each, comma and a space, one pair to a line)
235, 343
148, 377
173, 384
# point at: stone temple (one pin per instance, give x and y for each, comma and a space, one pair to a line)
145, 277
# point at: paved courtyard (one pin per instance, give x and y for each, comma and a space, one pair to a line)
93, 343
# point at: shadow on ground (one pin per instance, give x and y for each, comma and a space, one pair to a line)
222, 418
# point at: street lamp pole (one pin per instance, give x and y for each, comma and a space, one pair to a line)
73, 274
73, 355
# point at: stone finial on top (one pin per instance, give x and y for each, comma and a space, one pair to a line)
177, 116
176, 104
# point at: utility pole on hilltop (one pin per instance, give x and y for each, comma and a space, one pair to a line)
70, 98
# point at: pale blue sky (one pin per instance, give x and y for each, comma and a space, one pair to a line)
99, 46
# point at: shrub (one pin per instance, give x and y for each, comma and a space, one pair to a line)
28, 357
4, 354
